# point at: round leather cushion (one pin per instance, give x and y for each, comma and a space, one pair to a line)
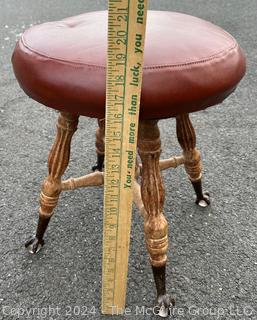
189, 64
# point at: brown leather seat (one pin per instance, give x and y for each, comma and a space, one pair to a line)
190, 64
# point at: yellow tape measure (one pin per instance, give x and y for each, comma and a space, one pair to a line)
126, 34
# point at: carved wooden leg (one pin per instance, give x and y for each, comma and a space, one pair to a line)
100, 132
57, 163
155, 224
187, 140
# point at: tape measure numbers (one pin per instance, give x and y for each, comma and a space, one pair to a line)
126, 34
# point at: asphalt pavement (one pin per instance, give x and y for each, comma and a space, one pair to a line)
212, 268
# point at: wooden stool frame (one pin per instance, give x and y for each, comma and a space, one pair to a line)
148, 197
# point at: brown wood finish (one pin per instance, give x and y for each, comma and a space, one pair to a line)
57, 163
152, 191
100, 132
148, 197
192, 159
187, 140
155, 223
92, 179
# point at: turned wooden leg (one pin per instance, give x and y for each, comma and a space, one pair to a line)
57, 163
155, 224
187, 140
100, 132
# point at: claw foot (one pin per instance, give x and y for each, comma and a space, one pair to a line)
164, 305
203, 201
34, 245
